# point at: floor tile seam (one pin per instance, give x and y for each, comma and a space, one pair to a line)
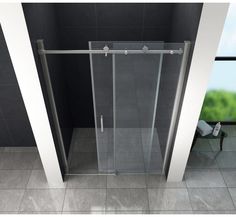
189, 199
214, 210
21, 202
210, 188
228, 190
38, 212
125, 211
100, 188
106, 201
63, 203
16, 170
148, 201
195, 169
29, 179
201, 168
206, 187
110, 210
2, 169
12, 189
24, 192
85, 152
166, 187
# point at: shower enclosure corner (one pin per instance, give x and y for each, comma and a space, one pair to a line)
136, 90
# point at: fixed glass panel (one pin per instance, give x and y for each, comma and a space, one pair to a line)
136, 92
220, 99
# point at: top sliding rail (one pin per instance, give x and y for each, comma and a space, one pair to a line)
106, 51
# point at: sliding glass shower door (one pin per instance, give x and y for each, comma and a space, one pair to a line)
102, 84
125, 92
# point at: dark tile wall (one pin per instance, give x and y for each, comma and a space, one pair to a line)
42, 24
15, 129
83, 22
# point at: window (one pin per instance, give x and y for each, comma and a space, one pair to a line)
220, 100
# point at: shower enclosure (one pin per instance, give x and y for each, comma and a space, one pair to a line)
125, 80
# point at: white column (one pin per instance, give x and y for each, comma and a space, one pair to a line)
17, 38
208, 37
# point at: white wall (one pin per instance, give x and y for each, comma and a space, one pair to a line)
16, 35
208, 37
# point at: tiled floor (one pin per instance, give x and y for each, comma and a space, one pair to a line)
207, 188
211, 174
134, 151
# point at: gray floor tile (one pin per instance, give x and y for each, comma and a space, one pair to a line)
37, 180
10, 200
42, 200
229, 144
169, 199
229, 177
130, 162
20, 149
127, 200
2, 149
38, 164
83, 161
86, 181
204, 178
84, 145
202, 145
85, 200
232, 192
122, 212
14, 178
172, 212
210, 199
215, 212
226, 159
84, 212
229, 129
85, 132
159, 181
17, 160
202, 160
9, 212
126, 181
39, 212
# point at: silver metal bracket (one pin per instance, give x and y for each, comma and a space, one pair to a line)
145, 49
106, 49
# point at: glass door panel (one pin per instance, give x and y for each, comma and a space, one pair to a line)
102, 83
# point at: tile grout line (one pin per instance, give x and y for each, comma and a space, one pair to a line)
189, 197
146, 182
106, 196
227, 189
63, 203
18, 210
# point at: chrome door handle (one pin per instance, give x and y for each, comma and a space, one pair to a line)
101, 119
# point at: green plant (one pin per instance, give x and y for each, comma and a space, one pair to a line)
219, 105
